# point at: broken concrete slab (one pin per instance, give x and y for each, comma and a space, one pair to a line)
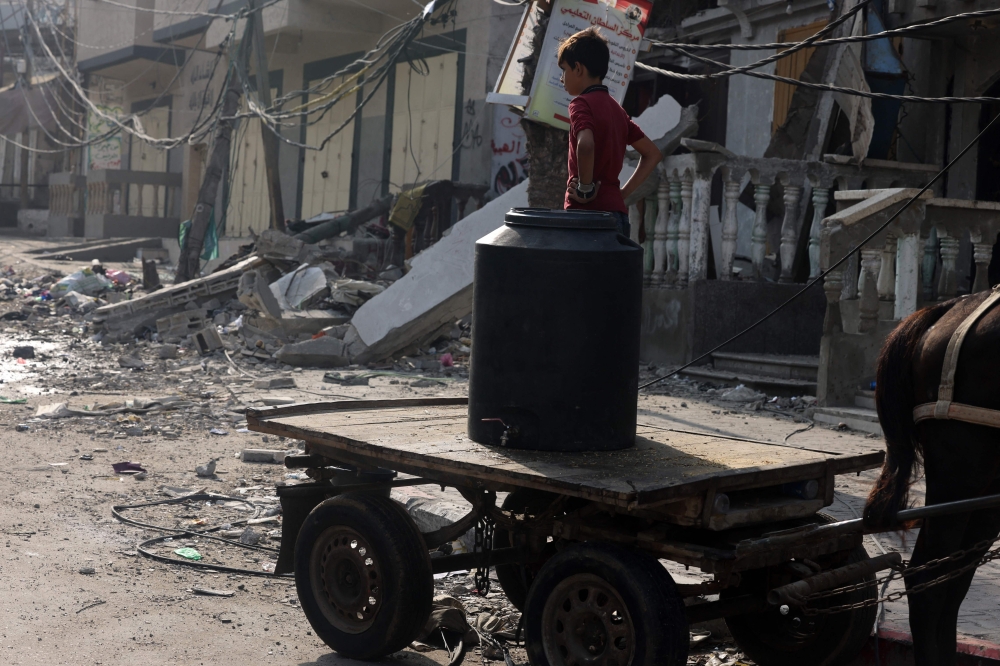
207, 340
434, 293
142, 312
254, 292
262, 456
104, 250
297, 288
180, 325
323, 352
274, 383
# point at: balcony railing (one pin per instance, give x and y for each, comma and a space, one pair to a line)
676, 221
132, 203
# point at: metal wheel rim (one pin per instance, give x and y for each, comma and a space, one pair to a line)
585, 623
346, 578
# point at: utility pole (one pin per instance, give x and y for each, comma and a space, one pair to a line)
190, 259
28, 71
268, 137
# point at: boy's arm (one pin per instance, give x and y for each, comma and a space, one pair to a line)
585, 156
649, 157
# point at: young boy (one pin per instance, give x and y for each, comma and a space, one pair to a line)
599, 130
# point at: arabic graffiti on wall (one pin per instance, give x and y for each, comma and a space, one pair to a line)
621, 22
510, 155
106, 154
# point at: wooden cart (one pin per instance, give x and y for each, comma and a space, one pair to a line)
576, 541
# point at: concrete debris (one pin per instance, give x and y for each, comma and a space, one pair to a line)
81, 302
323, 352
180, 325
434, 293
255, 294
274, 383
262, 456
167, 351
299, 288
131, 362
208, 469
207, 340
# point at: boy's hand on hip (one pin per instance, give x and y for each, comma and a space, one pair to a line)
577, 196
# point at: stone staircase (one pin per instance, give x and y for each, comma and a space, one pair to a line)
861, 416
773, 374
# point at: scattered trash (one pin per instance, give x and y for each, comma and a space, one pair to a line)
54, 411
741, 394
13, 401
88, 571
21, 427
268, 567
85, 282
208, 469
127, 468
86, 456
188, 554
218, 431
447, 361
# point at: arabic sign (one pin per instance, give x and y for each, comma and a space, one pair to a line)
105, 154
510, 154
622, 23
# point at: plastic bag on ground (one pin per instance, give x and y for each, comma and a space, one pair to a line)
84, 282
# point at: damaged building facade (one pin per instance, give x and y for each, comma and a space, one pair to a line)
163, 67
774, 183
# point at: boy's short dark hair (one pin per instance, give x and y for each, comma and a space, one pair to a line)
589, 48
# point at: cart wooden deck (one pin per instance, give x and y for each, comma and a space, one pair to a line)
427, 437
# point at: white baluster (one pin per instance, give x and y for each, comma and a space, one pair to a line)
982, 253
634, 220
789, 232
660, 233
948, 284
832, 287
929, 264
820, 198
887, 271
758, 238
649, 214
731, 194
684, 231
868, 289
673, 231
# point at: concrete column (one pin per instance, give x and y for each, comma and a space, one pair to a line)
850, 280
758, 238
729, 227
871, 260
981, 254
673, 231
684, 231
789, 232
660, 233
887, 271
907, 275
701, 206
820, 197
948, 282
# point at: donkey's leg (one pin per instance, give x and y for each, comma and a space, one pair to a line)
960, 461
982, 526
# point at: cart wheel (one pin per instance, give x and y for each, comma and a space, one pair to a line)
603, 605
363, 575
772, 639
516, 578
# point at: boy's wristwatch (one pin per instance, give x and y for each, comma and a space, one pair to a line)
585, 191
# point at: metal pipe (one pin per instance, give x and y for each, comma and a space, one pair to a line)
795, 594
856, 525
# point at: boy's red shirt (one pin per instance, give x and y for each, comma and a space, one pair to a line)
613, 129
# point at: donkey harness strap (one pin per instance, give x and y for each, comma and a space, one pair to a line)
944, 408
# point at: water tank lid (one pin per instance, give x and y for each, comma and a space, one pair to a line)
560, 219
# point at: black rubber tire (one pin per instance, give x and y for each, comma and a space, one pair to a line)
407, 584
651, 598
769, 639
516, 578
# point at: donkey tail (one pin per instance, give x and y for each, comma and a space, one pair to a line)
894, 399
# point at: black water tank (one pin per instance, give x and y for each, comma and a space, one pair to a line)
555, 339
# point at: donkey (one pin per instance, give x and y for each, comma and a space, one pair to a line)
960, 460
